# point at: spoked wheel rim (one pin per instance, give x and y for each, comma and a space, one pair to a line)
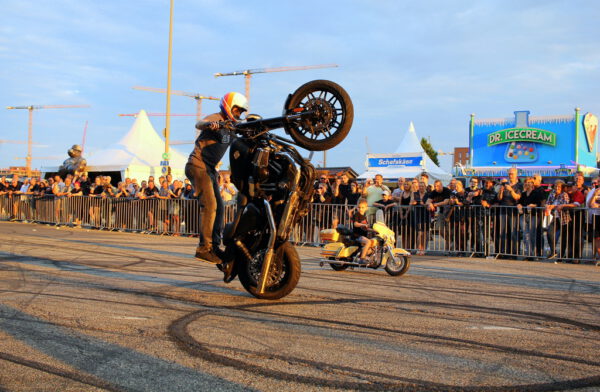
327, 118
276, 272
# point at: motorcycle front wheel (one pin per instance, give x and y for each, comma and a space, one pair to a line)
397, 265
332, 117
283, 276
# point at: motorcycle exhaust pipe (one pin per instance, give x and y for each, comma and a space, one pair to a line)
266, 266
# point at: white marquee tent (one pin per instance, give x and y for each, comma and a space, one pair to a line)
137, 155
408, 161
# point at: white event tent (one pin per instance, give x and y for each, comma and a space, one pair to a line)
408, 161
137, 155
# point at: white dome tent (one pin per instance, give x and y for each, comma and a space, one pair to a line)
137, 155
408, 161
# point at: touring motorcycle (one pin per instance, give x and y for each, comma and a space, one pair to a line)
341, 249
276, 185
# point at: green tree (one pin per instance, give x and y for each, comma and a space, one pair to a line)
433, 155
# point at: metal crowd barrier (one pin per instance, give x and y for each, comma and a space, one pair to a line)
460, 231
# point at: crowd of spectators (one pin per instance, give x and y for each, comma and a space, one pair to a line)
499, 217
20, 197
503, 218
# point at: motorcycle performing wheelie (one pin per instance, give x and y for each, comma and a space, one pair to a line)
341, 249
275, 185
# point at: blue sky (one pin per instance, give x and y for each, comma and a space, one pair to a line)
431, 62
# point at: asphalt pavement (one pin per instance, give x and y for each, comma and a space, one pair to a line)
89, 310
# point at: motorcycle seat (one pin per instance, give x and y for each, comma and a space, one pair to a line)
343, 230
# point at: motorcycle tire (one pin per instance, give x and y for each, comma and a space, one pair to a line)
333, 121
398, 265
285, 266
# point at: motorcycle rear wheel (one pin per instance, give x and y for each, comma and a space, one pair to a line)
283, 277
398, 265
333, 118
337, 267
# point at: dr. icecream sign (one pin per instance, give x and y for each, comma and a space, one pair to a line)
533, 135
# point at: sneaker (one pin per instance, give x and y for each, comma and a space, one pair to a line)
363, 261
208, 256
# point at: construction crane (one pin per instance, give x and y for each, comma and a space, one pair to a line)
249, 72
31, 108
198, 97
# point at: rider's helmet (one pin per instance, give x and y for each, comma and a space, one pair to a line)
229, 101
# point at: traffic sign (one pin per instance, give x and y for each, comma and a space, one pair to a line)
164, 163
165, 169
166, 156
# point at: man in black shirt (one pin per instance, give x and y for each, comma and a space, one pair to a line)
439, 198
474, 216
508, 197
210, 146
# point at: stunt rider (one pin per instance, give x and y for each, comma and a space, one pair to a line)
210, 146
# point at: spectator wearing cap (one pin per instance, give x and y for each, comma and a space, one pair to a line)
386, 203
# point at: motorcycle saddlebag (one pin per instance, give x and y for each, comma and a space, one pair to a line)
329, 235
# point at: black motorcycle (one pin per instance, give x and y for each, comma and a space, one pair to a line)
276, 185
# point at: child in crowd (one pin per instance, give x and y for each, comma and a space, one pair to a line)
360, 227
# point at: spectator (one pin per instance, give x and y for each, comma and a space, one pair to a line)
163, 214
573, 235
474, 216
150, 194
386, 203
593, 203
374, 193
13, 190
438, 200
353, 197
175, 206
508, 197
425, 178
537, 214
528, 206
405, 226
345, 188
421, 216
337, 197
489, 198
414, 185
579, 181
558, 197
227, 189
398, 191
324, 180
456, 216
322, 214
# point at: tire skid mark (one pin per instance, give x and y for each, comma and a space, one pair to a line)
124, 367
180, 333
74, 376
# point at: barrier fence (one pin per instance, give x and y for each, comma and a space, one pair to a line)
460, 231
